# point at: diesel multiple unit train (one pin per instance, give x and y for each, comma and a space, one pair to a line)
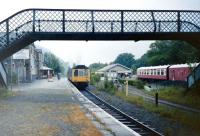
79, 76
178, 72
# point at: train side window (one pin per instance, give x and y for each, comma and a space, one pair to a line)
165, 72
154, 72
86, 72
158, 72
151, 71
76, 72
162, 72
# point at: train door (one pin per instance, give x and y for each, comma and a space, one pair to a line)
173, 75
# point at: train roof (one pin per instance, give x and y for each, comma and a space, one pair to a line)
80, 67
154, 67
170, 66
184, 65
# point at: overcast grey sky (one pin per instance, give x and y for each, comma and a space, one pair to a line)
81, 52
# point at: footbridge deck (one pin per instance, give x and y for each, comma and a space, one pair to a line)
30, 25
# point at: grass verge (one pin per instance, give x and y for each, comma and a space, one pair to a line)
4, 93
185, 118
179, 95
190, 119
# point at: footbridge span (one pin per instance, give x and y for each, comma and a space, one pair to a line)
27, 26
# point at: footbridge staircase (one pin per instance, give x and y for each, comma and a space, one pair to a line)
29, 25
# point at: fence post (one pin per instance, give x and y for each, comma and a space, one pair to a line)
156, 99
126, 83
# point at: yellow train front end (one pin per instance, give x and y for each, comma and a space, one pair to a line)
80, 76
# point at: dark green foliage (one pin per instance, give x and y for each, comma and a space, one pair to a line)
110, 87
107, 86
95, 78
137, 83
169, 52
126, 59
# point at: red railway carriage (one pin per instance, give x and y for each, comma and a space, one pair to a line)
153, 72
180, 72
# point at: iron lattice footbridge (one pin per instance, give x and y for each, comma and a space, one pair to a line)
30, 25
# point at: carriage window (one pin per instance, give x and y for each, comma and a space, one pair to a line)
165, 72
151, 71
76, 72
158, 72
162, 72
154, 71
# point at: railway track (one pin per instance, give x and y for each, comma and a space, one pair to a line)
134, 124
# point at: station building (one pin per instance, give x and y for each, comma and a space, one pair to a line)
114, 71
27, 65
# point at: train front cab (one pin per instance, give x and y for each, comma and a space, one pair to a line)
80, 78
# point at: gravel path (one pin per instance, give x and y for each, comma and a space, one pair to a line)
44, 109
161, 124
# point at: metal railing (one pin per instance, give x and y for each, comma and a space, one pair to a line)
193, 77
96, 21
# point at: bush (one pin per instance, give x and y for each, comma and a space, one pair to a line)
95, 78
137, 83
109, 86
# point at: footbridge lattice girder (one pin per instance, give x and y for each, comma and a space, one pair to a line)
60, 24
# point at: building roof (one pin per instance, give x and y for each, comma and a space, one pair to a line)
107, 68
45, 68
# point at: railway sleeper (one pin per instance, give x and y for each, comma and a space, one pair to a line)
122, 119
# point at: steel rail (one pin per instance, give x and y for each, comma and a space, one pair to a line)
130, 122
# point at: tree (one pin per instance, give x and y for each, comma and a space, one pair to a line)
170, 52
51, 61
126, 59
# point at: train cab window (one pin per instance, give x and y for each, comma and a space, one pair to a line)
76, 72
81, 73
